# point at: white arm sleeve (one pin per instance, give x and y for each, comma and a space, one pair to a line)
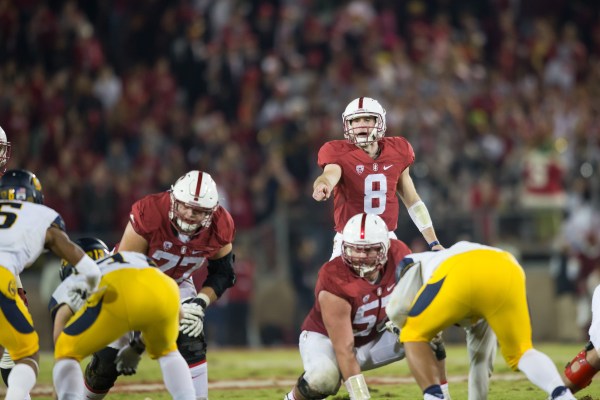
357, 387
88, 268
420, 215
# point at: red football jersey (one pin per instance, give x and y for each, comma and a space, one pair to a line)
367, 185
368, 300
150, 219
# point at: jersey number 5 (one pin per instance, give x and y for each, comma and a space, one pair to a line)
9, 217
375, 193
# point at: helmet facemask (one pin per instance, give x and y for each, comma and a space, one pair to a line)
4, 155
4, 151
187, 224
194, 199
365, 244
363, 259
364, 132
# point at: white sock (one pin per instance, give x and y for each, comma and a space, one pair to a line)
540, 370
68, 379
20, 382
290, 396
89, 395
177, 377
200, 379
446, 391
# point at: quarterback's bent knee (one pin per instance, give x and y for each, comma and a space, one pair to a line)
101, 373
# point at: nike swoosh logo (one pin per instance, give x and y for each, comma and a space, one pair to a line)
386, 167
196, 251
389, 288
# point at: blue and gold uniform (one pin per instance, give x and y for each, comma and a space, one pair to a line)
23, 229
467, 282
133, 295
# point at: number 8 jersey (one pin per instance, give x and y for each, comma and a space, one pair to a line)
367, 185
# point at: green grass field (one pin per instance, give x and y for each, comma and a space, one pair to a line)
269, 374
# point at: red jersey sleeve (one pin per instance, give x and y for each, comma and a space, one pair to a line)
145, 216
223, 226
331, 152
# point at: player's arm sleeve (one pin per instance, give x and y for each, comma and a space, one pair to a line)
59, 223
221, 275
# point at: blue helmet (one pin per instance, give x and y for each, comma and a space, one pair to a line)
93, 247
20, 184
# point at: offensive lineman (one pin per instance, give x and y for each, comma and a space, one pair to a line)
461, 285
365, 172
130, 284
27, 228
181, 230
343, 333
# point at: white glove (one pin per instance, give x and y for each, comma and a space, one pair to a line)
128, 359
192, 323
77, 293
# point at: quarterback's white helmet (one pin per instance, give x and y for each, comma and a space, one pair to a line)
4, 151
361, 134
365, 243
197, 192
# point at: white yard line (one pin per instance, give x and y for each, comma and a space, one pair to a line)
46, 390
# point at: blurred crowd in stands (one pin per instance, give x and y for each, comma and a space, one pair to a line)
110, 100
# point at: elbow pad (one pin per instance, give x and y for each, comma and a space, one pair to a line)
420, 215
220, 274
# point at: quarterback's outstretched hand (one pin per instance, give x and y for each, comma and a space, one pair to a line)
192, 323
321, 191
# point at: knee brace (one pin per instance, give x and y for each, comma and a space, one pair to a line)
193, 349
101, 373
307, 392
579, 371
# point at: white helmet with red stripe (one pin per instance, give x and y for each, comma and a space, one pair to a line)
194, 199
4, 151
362, 134
365, 243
